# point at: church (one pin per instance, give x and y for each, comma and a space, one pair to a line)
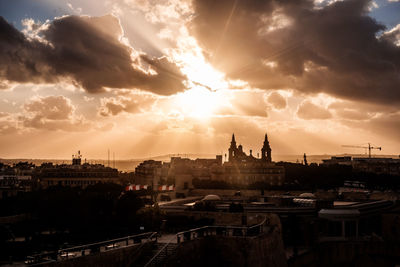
236, 154
247, 169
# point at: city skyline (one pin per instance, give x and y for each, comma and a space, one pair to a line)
148, 78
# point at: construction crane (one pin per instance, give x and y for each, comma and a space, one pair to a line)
369, 147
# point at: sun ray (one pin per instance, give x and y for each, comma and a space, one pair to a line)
198, 102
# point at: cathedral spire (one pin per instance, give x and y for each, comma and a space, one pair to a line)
233, 142
233, 148
266, 150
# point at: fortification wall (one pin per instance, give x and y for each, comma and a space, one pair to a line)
117, 258
244, 193
264, 250
350, 253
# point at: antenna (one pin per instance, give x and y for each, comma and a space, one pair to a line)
114, 160
108, 151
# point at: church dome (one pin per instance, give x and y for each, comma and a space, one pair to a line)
211, 198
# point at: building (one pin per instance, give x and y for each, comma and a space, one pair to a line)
15, 179
346, 160
151, 173
377, 165
236, 153
240, 169
247, 169
373, 165
183, 170
74, 175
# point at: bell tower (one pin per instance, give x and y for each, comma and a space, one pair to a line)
232, 148
266, 151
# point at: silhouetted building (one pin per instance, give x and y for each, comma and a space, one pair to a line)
374, 165
377, 165
184, 170
254, 171
346, 160
246, 169
77, 159
151, 173
266, 151
15, 179
240, 169
74, 175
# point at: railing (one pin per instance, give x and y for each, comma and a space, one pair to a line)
88, 249
238, 231
169, 247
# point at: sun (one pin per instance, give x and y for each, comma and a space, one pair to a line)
202, 73
203, 98
205, 83
198, 102
195, 67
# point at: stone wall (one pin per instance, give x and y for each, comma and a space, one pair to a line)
117, 258
350, 253
264, 250
227, 218
244, 193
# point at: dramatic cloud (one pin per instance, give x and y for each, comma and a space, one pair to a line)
89, 50
51, 107
292, 44
244, 103
161, 11
7, 123
134, 103
180, 76
310, 111
393, 35
385, 125
277, 100
7, 127
52, 113
246, 128
351, 111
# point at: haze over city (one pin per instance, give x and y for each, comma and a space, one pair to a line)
148, 78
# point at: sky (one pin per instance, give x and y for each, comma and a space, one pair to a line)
152, 77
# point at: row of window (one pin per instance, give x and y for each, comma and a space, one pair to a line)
255, 171
80, 174
74, 182
252, 179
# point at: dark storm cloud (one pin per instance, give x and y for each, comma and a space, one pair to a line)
87, 50
334, 49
